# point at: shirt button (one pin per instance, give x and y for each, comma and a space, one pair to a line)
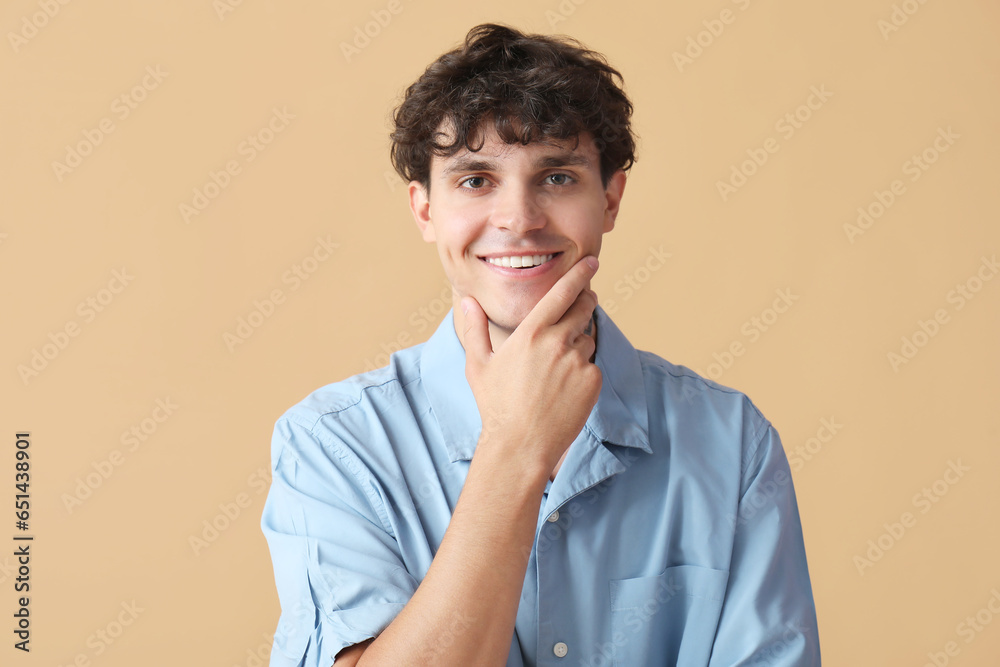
560, 649
554, 517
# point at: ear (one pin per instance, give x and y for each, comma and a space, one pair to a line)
613, 197
420, 206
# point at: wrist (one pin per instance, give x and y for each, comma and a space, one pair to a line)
516, 459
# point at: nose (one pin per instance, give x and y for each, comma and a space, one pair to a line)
521, 209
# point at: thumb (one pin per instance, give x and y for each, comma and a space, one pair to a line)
478, 347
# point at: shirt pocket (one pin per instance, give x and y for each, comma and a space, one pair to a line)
667, 619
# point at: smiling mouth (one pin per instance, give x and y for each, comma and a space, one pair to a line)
520, 261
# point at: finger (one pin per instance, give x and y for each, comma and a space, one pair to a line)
551, 307
476, 338
585, 344
580, 315
592, 323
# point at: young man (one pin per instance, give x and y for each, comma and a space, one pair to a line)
526, 488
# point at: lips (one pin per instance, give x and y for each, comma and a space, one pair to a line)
519, 261
521, 265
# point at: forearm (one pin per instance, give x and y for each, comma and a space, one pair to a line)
463, 612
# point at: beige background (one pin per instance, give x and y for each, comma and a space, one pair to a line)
326, 174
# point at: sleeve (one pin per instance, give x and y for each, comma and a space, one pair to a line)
768, 615
337, 565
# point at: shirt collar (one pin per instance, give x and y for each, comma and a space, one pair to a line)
620, 416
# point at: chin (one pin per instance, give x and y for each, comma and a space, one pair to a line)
510, 317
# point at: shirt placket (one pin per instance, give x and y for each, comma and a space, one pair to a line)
560, 640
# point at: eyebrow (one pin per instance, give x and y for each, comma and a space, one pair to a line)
469, 163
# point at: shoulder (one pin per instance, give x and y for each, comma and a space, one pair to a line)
691, 398
359, 392
340, 414
712, 430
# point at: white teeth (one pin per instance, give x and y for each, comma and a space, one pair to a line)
517, 262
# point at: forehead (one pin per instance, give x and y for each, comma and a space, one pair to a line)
544, 153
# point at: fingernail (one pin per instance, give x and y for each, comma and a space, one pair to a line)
592, 262
465, 306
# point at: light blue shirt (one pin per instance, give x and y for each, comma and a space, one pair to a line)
670, 536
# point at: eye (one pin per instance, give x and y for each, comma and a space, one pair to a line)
469, 180
567, 177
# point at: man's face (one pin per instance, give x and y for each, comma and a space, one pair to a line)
505, 202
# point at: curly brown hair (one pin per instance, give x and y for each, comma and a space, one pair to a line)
533, 87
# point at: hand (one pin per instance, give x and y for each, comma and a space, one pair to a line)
535, 393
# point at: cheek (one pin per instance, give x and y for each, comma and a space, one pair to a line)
455, 239
584, 224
